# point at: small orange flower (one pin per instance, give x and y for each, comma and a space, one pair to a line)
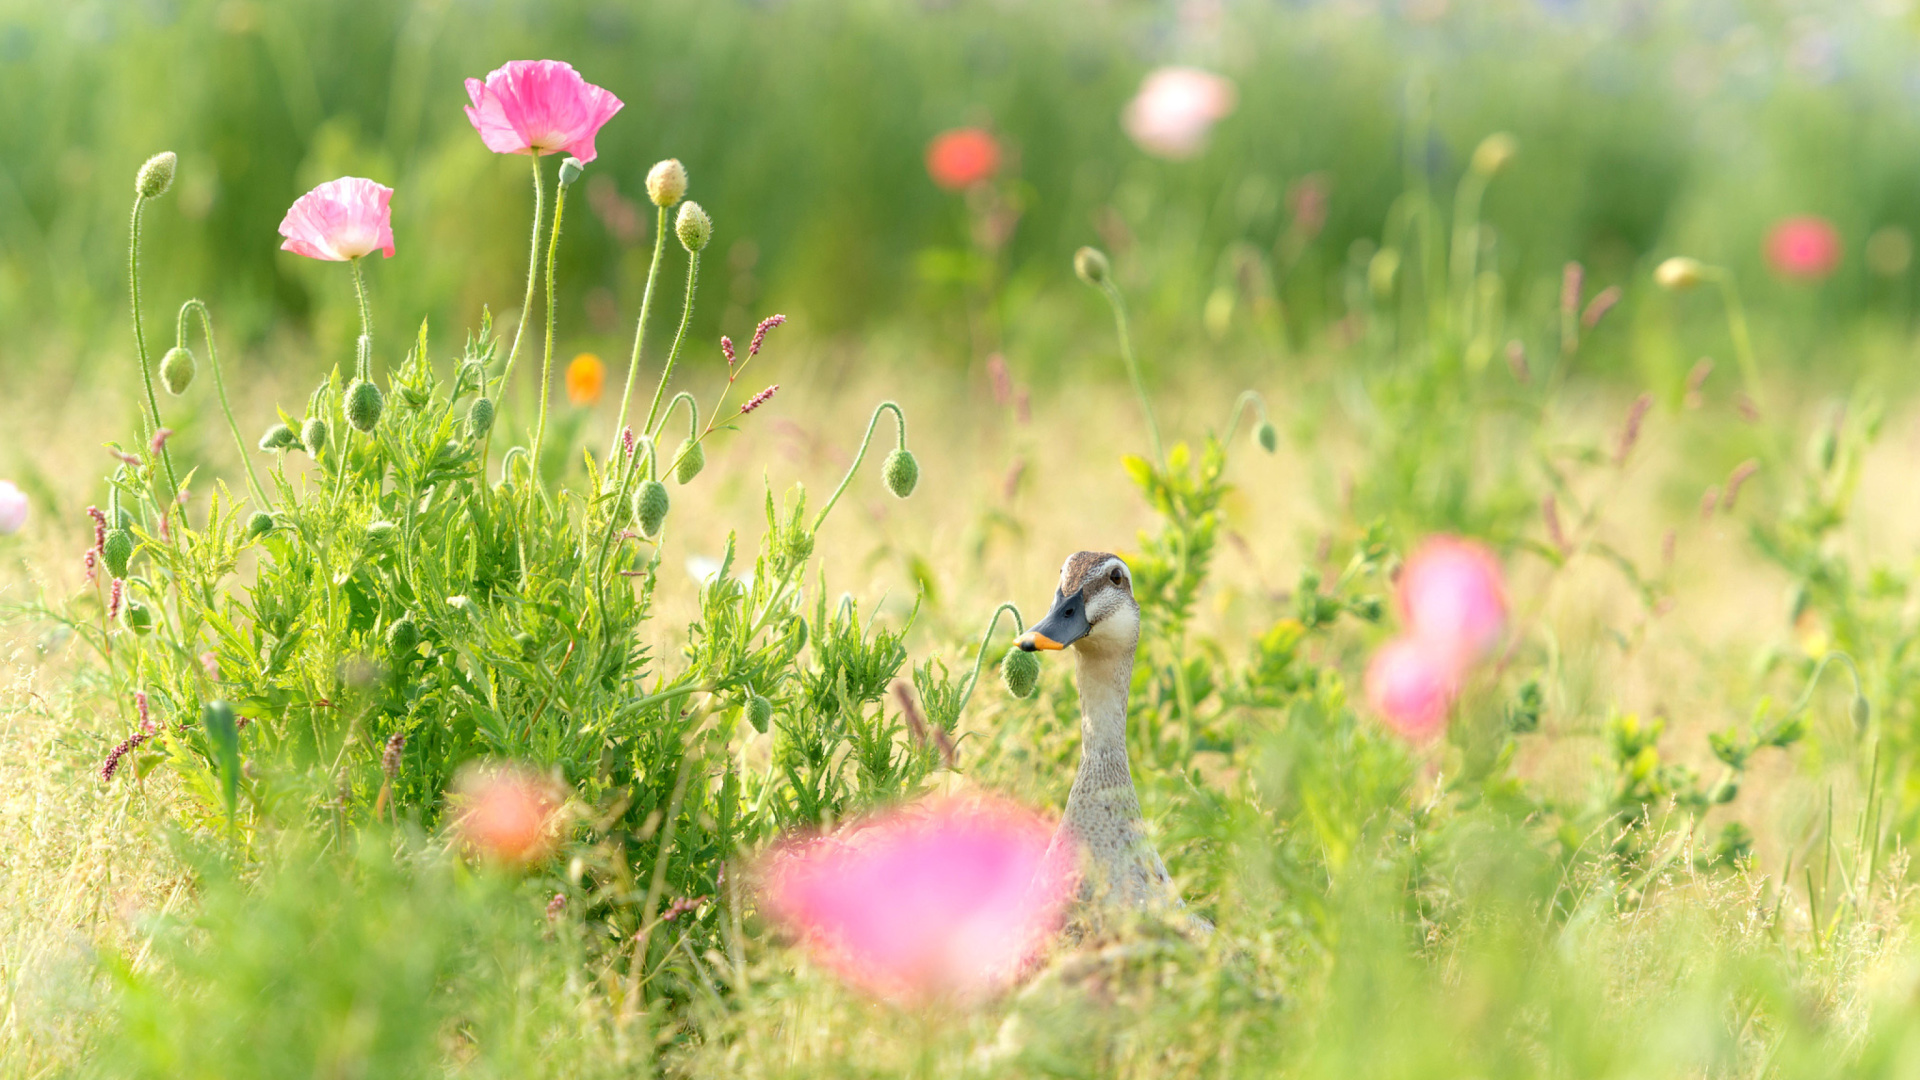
507, 813
586, 375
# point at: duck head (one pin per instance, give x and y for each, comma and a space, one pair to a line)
1093, 609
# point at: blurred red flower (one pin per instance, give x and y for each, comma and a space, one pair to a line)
963, 157
1804, 248
508, 814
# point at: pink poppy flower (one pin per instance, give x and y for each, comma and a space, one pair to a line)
340, 220
1411, 685
1175, 110
539, 106
507, 814
963, 157
13, 508
1451, 598
1805, 248
949, 897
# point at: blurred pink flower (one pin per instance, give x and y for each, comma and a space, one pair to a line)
507, 813
13, 508
1175, 110
340, 220
539, 106
1411, 685
1451, 598
950, 897
963, 157
1805, 248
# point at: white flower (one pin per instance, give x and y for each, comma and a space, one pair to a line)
1175, 110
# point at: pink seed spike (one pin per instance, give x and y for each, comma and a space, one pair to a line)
159, 442
99, 527
627, 441
91, 561
760, 333
115, 597
146, 718
759, 399
726, 349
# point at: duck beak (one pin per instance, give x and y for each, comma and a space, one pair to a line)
1064, 625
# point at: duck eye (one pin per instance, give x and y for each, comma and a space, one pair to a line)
1118, 576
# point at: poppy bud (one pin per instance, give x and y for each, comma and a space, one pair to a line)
140, 617
650, 506
1020, 670
402, 636
759, 711
117, 552
667, 182
480, 417
1679, 273
1862, 711
1493, 153
691, 460
363, 405
1092, 265
382, 533
694, 226
259, 524
902, 472
313, 435
570, 170
156, 176
1265, 437
279, 437
176, 370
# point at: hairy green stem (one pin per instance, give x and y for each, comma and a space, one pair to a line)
533, 273
979, 658
694, 434
686, 316
1119, 305
363, 348
900, 419
546, 364
140, 344
640, 328
220, 387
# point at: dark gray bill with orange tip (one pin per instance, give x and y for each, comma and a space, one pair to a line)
1064, 625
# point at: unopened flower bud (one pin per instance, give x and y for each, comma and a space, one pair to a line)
694, 226
691, 460
117, 552
402, 636
759, 712
259, 524
650, 507
667, 182
570, 170
381, 533
279, 437
902, 472
1265, 437
313, 435
1020, 670
1092, 265
1679, 273
140, 617
363, 405
176, 370
1862, 711
156, 176
480, 417
1493, 153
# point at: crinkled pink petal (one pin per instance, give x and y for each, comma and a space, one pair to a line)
339, 220
1451, 597
539, 106
1411, 685
951, 897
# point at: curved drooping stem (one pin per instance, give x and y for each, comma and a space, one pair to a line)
546, 364
1119, 305
694, 434
220, 387
1861, 702
1246, 398
140, 344
900, 419
686, 316
979, 658
640, 328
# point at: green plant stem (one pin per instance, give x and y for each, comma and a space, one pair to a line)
900, 418
1737, 329
640, 328
1119, 305
694, 435
980, 657
140, 344
1806, 696
220, 388
533, 274
1466, 247
546, 364
1247, 397
363, 348
666, 372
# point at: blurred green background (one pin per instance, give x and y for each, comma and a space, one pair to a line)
1645, 129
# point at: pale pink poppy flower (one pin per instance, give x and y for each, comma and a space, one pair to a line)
1175, 110
1411, 685
1451, 598
13, 508
539, 106
508, 814
340, 220
946, 898
1805, 248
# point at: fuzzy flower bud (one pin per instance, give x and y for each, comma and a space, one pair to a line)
1020, 670
650, 507
156, 176
1265, 437
117, 552
279, 437
570, 171
759, 712
313, 435
403, 636
259, 524
1679, 274
381, 533
1092, 265
1494, 152
667, 182
363, 405
694, 226
176, 370
902, 472
691, 460
480, 417
140, 617
390, 756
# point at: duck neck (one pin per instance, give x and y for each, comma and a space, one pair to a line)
1105, 675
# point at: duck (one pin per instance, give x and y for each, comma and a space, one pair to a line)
1102, 838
